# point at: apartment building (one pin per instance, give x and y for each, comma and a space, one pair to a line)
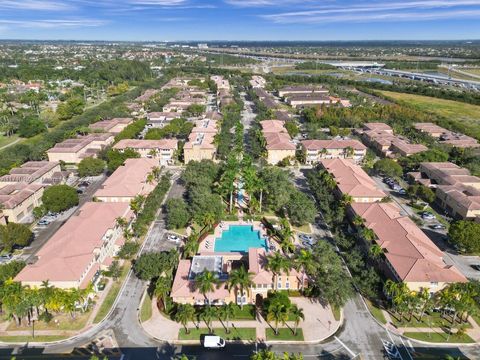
279, 145
352, 181
161, 150
316, 150
300, 100
18, 200
456, 190
34, 172
409, 255
72, 151
258, 81
445, 136
80, 249
128, 181
184, 291
302, 90
380, 137
200, 144
160, 119
114, 126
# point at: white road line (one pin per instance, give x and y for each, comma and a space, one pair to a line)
393, 342
408, 351
345, 346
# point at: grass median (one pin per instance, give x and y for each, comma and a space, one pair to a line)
284, 334
39, 338
112, 295
235, 333
435, 337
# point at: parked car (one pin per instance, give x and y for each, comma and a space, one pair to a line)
427, 216
475, 267
43, 222
213, 342
437, 227
305, 237
80, 191
173, 238
402, 192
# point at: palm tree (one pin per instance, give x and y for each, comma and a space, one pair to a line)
328, 180
150, 179
367, 233
184, 314
278, 313
376, 251
191, 246
297, 315
346, 200
208, 314
348, 152
162, 288
240, 279
208, 219
136, 204
153, 153
205, 283
228, 311
398, 293
277, 263
305, 262
358, 220
121, 222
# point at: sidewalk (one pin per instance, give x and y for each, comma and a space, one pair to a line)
318, 325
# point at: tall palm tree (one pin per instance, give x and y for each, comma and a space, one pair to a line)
205, 283
121, 222
367, 233
278, 313
297, 315
208, 219
191, 246
305, 262
228, 311
184, 314
153, 153
277, 263
240, 279
136, 204
348, 152
208, 313
163, 286
346, 200
328, 180
358, 220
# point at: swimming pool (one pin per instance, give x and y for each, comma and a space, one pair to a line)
239, 238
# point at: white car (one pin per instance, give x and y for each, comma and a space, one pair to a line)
173, 238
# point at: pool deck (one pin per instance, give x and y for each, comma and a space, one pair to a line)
208, 244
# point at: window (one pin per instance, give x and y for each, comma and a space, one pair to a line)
287, 285
279, 285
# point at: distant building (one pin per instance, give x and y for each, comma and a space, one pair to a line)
200, 144
114, 126
301, 90
18, 201
279, 145
445, 136
316, 150
72, 151
161, 150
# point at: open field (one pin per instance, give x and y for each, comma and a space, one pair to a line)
462, 114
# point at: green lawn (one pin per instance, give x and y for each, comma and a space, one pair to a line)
336, 313
39, 338
284, 334
146, 309
6, 140
235, 333
307, 229
59, 322
434, 319
247, 313
439, 338
376, 312
466, 115
112, 295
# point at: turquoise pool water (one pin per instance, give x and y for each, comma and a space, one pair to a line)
239, 238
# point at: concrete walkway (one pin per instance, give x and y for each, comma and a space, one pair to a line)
319, 323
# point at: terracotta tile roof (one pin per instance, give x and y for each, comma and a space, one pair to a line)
273, 126
129, 180
410, 252
29, 172
351, 179
14, 194
279, 141
201, 140
377, 126
205, 126
77, 144
107, 125
67, 254
146, 144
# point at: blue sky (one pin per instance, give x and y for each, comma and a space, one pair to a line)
158, 20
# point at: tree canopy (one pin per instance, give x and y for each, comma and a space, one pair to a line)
57, 198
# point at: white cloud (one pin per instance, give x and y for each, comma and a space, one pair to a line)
53, 23
43, 5
402, 11
260, 3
